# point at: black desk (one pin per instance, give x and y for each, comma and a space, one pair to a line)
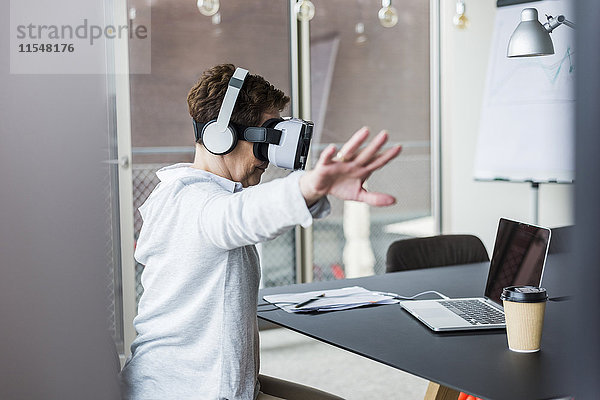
478, 363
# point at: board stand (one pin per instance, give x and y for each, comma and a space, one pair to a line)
535, 202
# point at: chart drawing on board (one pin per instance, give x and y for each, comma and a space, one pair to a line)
527, 117
535, 80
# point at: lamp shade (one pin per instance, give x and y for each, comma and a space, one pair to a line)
530, 38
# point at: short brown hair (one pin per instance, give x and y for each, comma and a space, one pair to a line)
256, 97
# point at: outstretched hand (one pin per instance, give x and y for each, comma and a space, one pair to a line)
343, 175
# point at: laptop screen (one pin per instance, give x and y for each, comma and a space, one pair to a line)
518, 258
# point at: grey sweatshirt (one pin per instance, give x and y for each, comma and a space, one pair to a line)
196, 323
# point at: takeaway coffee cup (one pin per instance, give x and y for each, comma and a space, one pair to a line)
524, 308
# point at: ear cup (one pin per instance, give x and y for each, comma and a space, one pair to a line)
216, 141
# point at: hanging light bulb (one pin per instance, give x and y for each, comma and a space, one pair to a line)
305, 10
388, 16
208, 7
460, 19
216, 21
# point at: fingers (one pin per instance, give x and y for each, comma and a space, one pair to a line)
376, 199
353, 144
326, 156
384, 158
372, 148
350, 148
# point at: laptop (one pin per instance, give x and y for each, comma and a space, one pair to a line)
519, 257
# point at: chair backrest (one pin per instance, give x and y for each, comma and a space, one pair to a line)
435, 251
561, 239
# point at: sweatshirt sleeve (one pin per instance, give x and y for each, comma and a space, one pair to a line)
258, 213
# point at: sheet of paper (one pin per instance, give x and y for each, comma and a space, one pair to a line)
329, 300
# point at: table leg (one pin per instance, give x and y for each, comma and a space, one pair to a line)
439, 392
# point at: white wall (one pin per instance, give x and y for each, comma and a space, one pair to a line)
469, 206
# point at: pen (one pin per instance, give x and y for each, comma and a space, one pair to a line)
306, 302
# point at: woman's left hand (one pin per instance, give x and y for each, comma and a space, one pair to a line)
343, 175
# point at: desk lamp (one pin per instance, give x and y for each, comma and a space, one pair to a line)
531, 38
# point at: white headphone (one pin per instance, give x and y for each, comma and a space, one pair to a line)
217, 136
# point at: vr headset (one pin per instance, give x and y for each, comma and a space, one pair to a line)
284, 142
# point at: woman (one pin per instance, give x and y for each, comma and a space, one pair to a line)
197, 327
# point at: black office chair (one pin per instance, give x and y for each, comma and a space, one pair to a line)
561, 239
435, 251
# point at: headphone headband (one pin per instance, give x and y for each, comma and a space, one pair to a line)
233, 89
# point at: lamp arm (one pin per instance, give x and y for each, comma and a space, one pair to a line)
553, 23
562, 19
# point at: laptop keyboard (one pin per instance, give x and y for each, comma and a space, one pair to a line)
474, 311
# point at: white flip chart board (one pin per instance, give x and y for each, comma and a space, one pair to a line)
527, 117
